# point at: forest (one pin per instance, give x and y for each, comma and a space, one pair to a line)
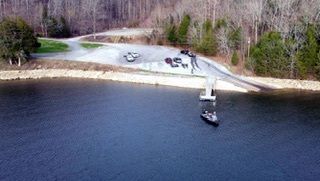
269, 37
82, 16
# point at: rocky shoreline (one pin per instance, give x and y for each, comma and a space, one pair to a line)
288, 83
182, 81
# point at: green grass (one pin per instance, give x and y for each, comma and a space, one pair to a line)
51, 46
90, 45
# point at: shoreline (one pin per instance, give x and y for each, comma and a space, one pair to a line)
38, 69
182, 81
291, 84
153, 78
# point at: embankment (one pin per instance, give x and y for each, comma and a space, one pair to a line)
133, 77
288, 83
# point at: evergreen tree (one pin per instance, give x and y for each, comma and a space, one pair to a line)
183, 29
171, 34
235, 38
29, 41
16, 40
64, 28
308, 55
53, 27
269, 56
317, 66
208, 43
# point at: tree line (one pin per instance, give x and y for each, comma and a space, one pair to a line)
271, 37
274, 37
80, 16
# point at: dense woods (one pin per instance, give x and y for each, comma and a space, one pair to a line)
279, 38
274, 37
81, 16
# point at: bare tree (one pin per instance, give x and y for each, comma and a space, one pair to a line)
223, 41
91, 10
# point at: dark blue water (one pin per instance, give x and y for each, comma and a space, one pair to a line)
93, 130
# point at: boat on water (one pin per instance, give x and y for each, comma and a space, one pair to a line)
210, 118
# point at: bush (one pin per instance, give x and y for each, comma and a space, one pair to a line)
235, 58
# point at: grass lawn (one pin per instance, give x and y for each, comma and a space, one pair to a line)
51, 46
90, 45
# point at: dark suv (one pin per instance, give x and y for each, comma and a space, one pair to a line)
185, 52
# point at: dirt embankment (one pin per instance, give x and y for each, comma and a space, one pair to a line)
38, 64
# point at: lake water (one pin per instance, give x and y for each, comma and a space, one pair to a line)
98, 130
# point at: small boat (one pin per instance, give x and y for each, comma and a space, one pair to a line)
210, 118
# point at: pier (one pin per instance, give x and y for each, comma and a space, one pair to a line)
209, 94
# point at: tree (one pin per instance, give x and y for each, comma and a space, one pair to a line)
308, 55
64, 28
208, 43
44, 21
183, 29
171, 35
317, 67
16, 40
269, 56
52, 27
235, 38
92, 8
